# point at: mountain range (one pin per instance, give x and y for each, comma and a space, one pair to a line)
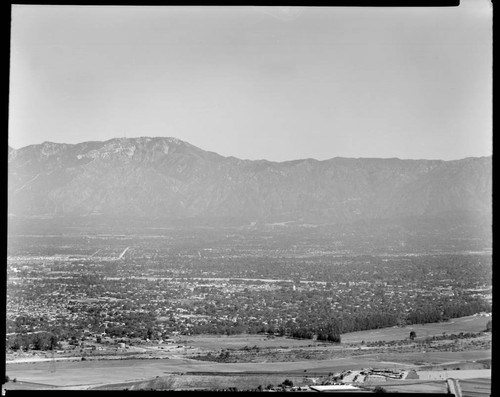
166, 178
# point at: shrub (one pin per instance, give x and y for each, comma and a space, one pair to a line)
488, 326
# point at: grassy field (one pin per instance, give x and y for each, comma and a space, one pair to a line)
455, 326
426, 358
213, 382
480, 387
93, 372
467, 374
26, 386
431, 387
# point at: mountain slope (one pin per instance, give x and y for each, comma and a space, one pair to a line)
169, 178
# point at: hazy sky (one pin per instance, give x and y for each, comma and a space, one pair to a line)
273, 83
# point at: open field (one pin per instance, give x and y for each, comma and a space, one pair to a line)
454, 326
189, 382
478, 387
26, 386
428, 387
471, 387
426, 358
466, 374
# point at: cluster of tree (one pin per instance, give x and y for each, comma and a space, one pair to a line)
329, 337
35, 341
461, 309
447, 310
223, 357
135, 325
461, 335
287, 383
302, 333
329, 334
131, 331
424, 315
23, 323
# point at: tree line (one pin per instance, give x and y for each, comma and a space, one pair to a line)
35, 341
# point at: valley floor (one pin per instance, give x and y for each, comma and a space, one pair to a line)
260, 360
